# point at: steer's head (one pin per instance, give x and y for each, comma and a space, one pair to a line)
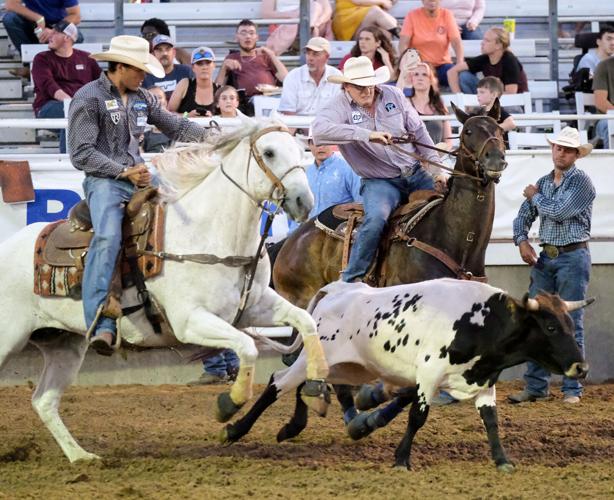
550, 339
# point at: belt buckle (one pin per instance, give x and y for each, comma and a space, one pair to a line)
551, 251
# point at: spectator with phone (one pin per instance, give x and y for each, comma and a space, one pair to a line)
195, 96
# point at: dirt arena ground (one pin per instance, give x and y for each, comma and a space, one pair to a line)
161, 442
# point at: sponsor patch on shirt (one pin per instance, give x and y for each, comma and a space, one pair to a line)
79, 66
140, 106
390, 106
111, 105
141, 121
115, 116
357, 117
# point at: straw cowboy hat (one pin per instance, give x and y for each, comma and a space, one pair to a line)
359, 71
569, 137
133, 51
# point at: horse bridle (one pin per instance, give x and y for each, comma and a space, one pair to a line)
476, 158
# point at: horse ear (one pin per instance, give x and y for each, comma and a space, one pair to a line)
495, 110
460, 114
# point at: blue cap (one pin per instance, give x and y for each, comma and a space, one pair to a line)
202, 54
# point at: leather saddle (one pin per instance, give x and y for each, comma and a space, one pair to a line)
61, 246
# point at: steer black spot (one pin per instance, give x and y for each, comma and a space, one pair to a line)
405, 339
427, 357
412, 303
371, 335
443, 352
417, 341
399, 342
393, 348
351, 337
333, 337
357, 331
387, 346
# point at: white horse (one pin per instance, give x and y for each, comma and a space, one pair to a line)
214, 211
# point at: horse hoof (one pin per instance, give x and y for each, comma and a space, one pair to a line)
228, 435
226, 408
315, 395
507, 468
401, 466
358, 427
349, 415
364, 400
287, 432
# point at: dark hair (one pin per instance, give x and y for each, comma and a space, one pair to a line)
493, 84
221, 90
160, 26
380, 37
112, 66
246, 22
606, 28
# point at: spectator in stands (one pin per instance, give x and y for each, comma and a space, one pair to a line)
195, 96
603, 89
468, 15
306, 88
250, 66
489, 89
163, 50
496, 60
353, 15
374, 44
155, 141
59, 72
153, 27
605, 49
31, 21
431, 30
424, 96
282, 36
227, 101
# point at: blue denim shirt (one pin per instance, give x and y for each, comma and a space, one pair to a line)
564, 211
331, 183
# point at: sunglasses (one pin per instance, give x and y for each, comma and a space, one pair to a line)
203, 56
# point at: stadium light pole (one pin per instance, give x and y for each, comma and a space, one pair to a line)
304, 31
553, 20
119, 17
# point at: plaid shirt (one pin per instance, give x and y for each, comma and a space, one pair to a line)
564, 211
103, 134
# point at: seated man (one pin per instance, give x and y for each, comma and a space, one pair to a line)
153, 27
30, 21
306, 88
605, 49
164, 51
59, 72
250, 66
603, 89
496, 60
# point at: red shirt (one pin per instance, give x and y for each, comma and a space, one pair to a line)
51, 73
254, 70
375, 62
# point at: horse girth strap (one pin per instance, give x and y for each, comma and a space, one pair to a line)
202, 258
441, 256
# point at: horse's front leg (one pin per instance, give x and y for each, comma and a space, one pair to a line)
206, 329
274, 310
485, 403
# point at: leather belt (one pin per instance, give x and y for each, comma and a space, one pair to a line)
553, 251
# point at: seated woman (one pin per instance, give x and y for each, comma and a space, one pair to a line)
468, 15
282, 36
421, 88
374, 44
431, 30
353, 15
194, 97
496, 60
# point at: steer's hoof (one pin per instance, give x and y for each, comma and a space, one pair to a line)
364, 398
226, 408
507, 468
401, 466
85, 457
359, 427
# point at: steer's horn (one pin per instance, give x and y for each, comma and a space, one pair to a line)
532, 305
574, 305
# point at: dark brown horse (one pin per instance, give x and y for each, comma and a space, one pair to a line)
460, 227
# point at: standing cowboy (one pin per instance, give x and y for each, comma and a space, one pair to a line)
563, 200
363, 119
106, 119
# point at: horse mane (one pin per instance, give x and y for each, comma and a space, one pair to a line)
184, 166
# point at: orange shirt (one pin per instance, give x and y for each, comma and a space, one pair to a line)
431, 36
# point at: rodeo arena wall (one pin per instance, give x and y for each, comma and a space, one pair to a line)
57, 187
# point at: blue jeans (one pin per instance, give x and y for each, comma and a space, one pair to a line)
442, 74
54, 109
470, 35
222, 364
379, 197
21, 30
106, 199
601, 130
567, 275
468, 82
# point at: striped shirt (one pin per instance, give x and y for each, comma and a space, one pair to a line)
103, 134
564, 211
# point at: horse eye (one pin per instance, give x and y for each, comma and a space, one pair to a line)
468, 131
550, 328
269, 153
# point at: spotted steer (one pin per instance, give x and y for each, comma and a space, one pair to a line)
440, 334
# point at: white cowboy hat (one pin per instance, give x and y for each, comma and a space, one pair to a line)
359, 71
134, 51
569, 137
